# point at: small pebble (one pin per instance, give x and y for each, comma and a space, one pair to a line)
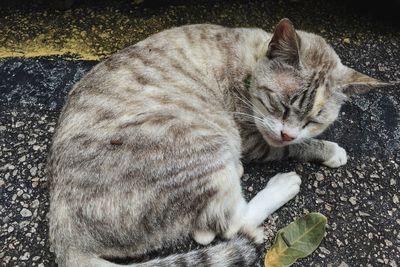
353, 200
388, 243
33, 171
395, 199
346, 40
319, 177
26, 213
25, 256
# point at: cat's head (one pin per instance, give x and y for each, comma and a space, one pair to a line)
298, 87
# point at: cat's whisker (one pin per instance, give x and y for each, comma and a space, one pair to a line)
249, 104
239, 114
267, 125
245, 101
250, 117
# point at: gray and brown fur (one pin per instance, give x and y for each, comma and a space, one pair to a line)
149, 145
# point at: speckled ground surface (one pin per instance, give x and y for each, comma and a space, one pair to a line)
361, 199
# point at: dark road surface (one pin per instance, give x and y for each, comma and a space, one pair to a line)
360, 199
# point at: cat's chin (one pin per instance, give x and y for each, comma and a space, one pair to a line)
273, 141
276, 143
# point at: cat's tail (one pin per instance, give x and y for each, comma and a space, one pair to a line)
237, 252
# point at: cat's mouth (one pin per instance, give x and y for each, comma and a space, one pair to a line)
273, 141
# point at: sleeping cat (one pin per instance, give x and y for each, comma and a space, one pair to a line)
149, 145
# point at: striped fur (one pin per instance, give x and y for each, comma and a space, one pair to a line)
238, 252
148, 146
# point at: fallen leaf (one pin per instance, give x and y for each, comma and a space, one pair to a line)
297, 240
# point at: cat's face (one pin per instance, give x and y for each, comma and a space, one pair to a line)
298, 88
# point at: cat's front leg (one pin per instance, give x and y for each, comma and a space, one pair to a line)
326, 152
337, 155
280, 189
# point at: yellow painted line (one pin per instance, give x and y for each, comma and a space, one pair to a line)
41, 52
78, 33
95, 33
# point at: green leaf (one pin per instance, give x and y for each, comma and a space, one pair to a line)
297, 240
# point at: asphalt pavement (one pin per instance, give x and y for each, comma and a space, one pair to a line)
44, 52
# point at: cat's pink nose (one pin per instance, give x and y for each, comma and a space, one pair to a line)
286, 137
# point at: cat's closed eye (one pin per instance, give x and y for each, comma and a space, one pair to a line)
265, 104
286, 113
314, 120
311, 122
268, 100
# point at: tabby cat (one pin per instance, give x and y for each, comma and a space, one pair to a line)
149, 145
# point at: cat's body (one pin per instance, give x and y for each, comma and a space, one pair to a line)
149, 146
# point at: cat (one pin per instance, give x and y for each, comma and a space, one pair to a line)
149, 145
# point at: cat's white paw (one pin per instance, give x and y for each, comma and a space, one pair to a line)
338, 157
280, 189
256, 233
258, 236
203, 237
287, 185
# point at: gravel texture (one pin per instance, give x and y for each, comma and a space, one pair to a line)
361, 199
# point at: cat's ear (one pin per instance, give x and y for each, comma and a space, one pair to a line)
353, 82
284, 44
